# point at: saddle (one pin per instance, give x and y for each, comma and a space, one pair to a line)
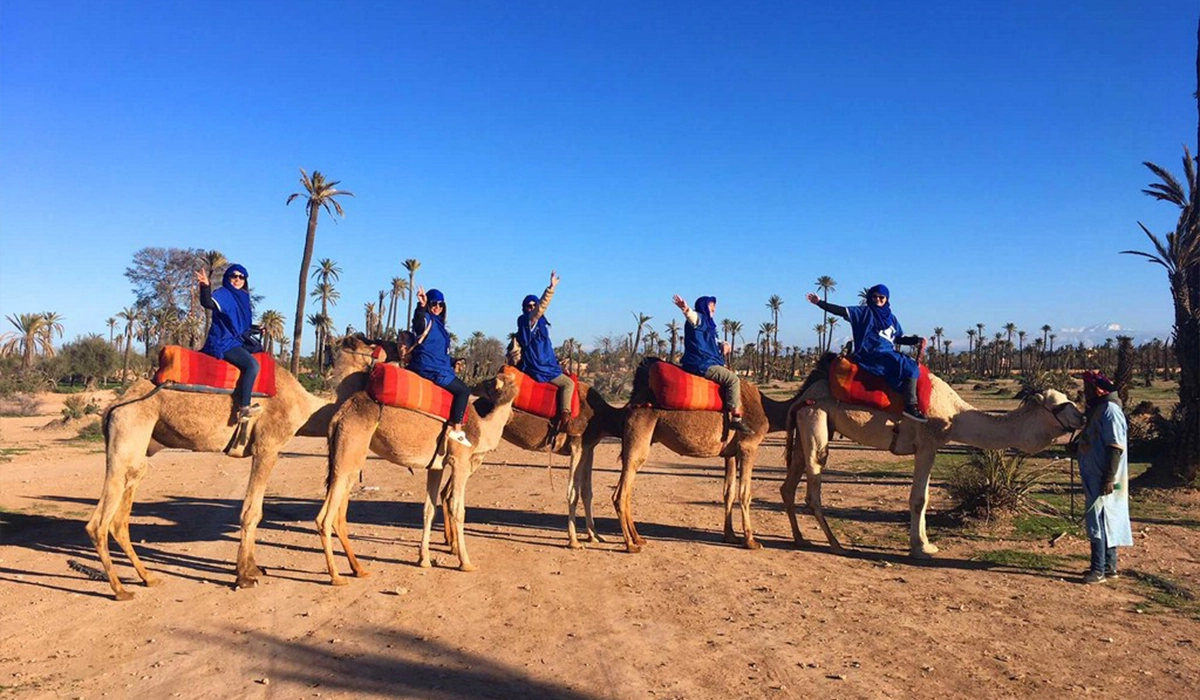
676, 389
541, 398
392, 385
851, 384
181, 369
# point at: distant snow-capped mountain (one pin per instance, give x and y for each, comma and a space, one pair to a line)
1092, 336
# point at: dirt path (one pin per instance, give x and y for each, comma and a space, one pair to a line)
690, 617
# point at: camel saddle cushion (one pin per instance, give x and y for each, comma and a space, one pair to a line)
541, 398
392, 385
677, 389
191, 370
850, 384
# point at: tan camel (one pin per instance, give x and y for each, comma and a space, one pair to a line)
698, 434
1030, 428
597, 419
410, 439
150, 418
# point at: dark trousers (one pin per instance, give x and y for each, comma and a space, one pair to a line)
241, 358
462, 396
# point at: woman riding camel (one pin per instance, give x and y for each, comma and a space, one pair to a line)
431, 357
704, 355
232, 317
877, 332
533, 352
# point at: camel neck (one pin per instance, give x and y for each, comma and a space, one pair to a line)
776, 411
1028, 428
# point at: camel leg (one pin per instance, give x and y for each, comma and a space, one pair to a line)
632, 457
126, 446
261, 465
347, 456
745, 495
459, 510
341, 528
729, 493
446, 498
433, 482
814, 445
797, 458
918, 501
120, 527
585, 488
574, 475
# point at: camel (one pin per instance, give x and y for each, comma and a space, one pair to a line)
596, 420
698, 434
410, 439
150, 418
1030, 428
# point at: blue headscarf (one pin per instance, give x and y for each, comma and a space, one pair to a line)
700, 347
531, 298
537, 351
233, 317
701, 307
882, 315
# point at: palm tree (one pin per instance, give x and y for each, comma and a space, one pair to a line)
820, 330
412, 265
53, 325
112, 328
830, 324
826, 284
672, 327
130, 316
864, 296
774, 304
214, 261
937, 341
318, 194
641, 319
29, 336
272, 323
1021, 349
1010, 328
735, 329
369, 318
1179, 255
322, 327
970, 344
1045, 336
398, 290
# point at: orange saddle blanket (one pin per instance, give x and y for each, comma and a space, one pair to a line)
541, 398
679, 390
392, 385
850, 384
191, 370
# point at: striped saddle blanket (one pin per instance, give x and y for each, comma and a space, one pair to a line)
392, 385
541, 398
190, 370
679, 390
849, 383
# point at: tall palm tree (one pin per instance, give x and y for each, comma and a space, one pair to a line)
937, 341
130, 316
112, 329
735, 329
318, 194
214, 262
329, 296
1045, 337
1010, 328
830, 324
642, 319
272, 323
322, 329
1179, 255
369, 321
970, 344
820, 331
979, 349
398, 291
774, 303
1021, 349
826, 284
53, 325
864, 296
412, 265
29, 336
673, 329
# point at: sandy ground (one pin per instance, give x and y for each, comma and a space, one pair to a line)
689, 617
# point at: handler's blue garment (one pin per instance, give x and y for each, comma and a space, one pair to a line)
876, 331
1107, 516
431, 357
537, 351
232, 317
700, 348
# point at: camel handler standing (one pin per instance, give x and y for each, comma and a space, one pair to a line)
704, 355
532, 351
1104, 471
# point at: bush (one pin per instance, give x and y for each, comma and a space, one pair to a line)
90, 357
75, 407
991, 482
91, 431
19, 405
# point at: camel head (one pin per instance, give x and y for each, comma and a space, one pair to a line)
357, 354
1061, 414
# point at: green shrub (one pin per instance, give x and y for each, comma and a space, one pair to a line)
76, 407
991, 483
92, 432
19, 405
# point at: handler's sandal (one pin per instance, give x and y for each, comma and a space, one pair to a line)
1094, 577
914, 414
460, 437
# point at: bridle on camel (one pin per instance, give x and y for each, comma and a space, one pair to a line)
1056, 412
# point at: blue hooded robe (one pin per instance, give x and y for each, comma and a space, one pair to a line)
700, 347
537, 351
232, 317
876, 330
431, 357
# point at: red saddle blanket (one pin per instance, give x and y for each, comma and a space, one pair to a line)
392, 385
541, 398
191, 370
679, 390
853, 385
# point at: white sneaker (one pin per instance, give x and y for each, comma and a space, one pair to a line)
460, 437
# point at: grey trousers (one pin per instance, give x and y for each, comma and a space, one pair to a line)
731, 386
566, 389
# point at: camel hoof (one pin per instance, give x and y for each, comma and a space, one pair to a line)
633, 548
123, 595
925, 552
752, 544
425, 564
245, 582
362, 573
574, 544
467, 566
639, 540
593, 537
337, 581
152, 581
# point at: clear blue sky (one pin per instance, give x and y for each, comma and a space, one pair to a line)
983, 159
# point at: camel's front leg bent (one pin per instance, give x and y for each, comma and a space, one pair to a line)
918, 501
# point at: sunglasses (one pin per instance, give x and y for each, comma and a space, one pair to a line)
236, 276
436, 303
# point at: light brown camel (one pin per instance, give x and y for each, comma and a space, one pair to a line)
1030, 428
149, 418
597, 419
698, 434
410, 439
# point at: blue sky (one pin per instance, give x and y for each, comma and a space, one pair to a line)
984, 160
